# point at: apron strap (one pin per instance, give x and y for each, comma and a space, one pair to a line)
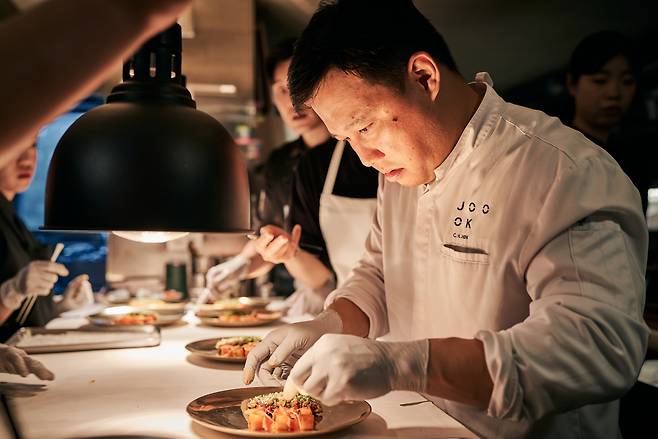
333, 168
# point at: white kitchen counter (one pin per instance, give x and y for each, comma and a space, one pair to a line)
144, 391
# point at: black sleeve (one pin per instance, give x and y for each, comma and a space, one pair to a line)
305, 210
272, 199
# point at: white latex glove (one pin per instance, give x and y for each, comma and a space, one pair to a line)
78, 293
345, 367
35, 279
225, 275
285, 345
16, 361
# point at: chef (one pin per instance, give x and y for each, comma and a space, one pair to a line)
505, 264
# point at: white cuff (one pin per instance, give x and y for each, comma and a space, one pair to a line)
507, 395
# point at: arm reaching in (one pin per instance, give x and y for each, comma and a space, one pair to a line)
74, 45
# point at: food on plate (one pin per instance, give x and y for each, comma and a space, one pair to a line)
240, 316
135, 318
272, 413
172, 296
237, 316
236, 347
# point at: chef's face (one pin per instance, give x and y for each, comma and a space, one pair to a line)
390, 130
300, 123
602, 98
17, 175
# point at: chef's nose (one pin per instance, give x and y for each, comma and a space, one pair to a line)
367, 154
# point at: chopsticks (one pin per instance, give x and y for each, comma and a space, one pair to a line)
309, 247
26, 308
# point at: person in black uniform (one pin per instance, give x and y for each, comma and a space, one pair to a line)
308, 261
602, 79
353, 180
275, 197
25, 268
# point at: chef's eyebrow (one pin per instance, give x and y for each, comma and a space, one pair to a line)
357, 120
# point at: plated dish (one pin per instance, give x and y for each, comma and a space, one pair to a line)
237, 303
229, 349
239, 318
270, 413
135, 316
223, 411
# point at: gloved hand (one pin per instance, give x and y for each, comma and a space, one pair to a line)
78, 293
223, 276
346, 367
285, 345
275, 245
16, 361
36, 278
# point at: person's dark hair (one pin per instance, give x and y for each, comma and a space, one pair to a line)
279, 53
370, 39
591, 54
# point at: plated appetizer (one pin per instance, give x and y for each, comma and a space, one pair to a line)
136, 318
273, 414
236, 347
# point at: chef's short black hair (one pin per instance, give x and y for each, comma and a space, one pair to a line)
595, 50
368, 38
279, 53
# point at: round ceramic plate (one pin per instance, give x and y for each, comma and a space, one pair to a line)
105, 318
263, 319
221, 411
159, 306
206, 348
237, 303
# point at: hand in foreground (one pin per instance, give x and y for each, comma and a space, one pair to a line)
78, 293
35, 279
345, 367
275, 245
273, 357
16, 361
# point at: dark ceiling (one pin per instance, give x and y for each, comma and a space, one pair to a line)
515, 40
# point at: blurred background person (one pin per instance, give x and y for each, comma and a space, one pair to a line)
602, 79
25, 268
330, 203
274, 199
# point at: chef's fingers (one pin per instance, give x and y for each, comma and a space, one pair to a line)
256, 356
38, 369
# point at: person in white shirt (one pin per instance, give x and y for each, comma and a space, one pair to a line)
504, 270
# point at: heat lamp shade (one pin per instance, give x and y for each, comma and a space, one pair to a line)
147, 166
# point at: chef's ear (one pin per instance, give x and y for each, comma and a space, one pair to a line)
424, 72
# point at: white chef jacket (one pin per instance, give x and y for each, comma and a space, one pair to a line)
532, 240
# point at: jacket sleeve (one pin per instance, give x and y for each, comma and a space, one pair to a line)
584, 262
365, 287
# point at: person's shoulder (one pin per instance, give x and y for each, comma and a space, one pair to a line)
548, 141
284, 151
317, 157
